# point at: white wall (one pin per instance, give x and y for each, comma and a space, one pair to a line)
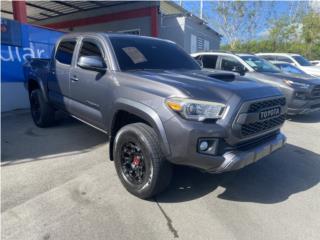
13, 96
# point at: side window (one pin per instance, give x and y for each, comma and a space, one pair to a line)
284, 59
209, 61
65, 52
89, 48
268, 58
230, 64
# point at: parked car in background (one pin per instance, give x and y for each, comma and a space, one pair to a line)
294, 59
157, 106
289, 68
302, 92
315, 62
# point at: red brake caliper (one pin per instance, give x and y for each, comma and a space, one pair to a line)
136, 160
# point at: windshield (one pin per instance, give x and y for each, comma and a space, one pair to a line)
288, 68
259, 64
302, 61
134, 53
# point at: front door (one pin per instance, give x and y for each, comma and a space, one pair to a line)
89, 88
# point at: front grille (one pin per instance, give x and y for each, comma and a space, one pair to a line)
316, 92
252, 128
255, 107
253, 125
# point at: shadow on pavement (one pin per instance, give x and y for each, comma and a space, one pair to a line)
271, 180
308, 118
22, 140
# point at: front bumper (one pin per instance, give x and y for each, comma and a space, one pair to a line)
183, 137
235, 160
303, 106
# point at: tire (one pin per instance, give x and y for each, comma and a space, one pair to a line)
42, 113
139, 162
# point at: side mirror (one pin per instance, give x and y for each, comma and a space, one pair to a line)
240, 69
94, 63
199, 62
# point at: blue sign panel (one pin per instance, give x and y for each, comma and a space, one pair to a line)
10, 32
20, 42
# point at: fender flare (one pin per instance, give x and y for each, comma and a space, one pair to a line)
144, 112
41, 85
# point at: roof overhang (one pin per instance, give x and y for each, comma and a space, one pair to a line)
42, 10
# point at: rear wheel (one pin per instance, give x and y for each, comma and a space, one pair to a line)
139, 162
42, 113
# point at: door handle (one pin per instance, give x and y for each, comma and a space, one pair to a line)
74, 79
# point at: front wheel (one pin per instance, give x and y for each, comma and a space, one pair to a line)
42, 113
139, 162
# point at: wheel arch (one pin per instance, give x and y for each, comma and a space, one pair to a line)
143, 114
34, 83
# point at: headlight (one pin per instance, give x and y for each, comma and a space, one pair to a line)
195, 109
296, 84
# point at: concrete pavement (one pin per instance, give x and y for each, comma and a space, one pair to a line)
58, 183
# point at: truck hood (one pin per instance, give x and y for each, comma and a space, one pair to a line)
210, 85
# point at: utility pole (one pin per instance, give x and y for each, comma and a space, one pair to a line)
201, 7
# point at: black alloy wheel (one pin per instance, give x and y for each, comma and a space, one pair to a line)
133, 164
139, 161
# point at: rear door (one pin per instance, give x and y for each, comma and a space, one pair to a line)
89, 89
58, 83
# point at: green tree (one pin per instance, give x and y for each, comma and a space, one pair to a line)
311, 32
285, 35
235, 18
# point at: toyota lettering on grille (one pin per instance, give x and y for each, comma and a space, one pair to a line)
269, 113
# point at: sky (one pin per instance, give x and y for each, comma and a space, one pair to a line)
272, 10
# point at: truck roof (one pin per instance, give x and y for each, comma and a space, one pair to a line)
105, 34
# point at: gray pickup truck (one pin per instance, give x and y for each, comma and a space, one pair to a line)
157, 106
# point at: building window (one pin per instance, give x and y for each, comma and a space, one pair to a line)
200, 44
206, 45
193, 47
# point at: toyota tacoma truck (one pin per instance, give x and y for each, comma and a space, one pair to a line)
157, 106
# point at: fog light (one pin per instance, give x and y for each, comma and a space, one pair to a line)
208, 146
203, 145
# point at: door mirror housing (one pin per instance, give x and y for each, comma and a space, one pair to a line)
240, 69
93, 63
